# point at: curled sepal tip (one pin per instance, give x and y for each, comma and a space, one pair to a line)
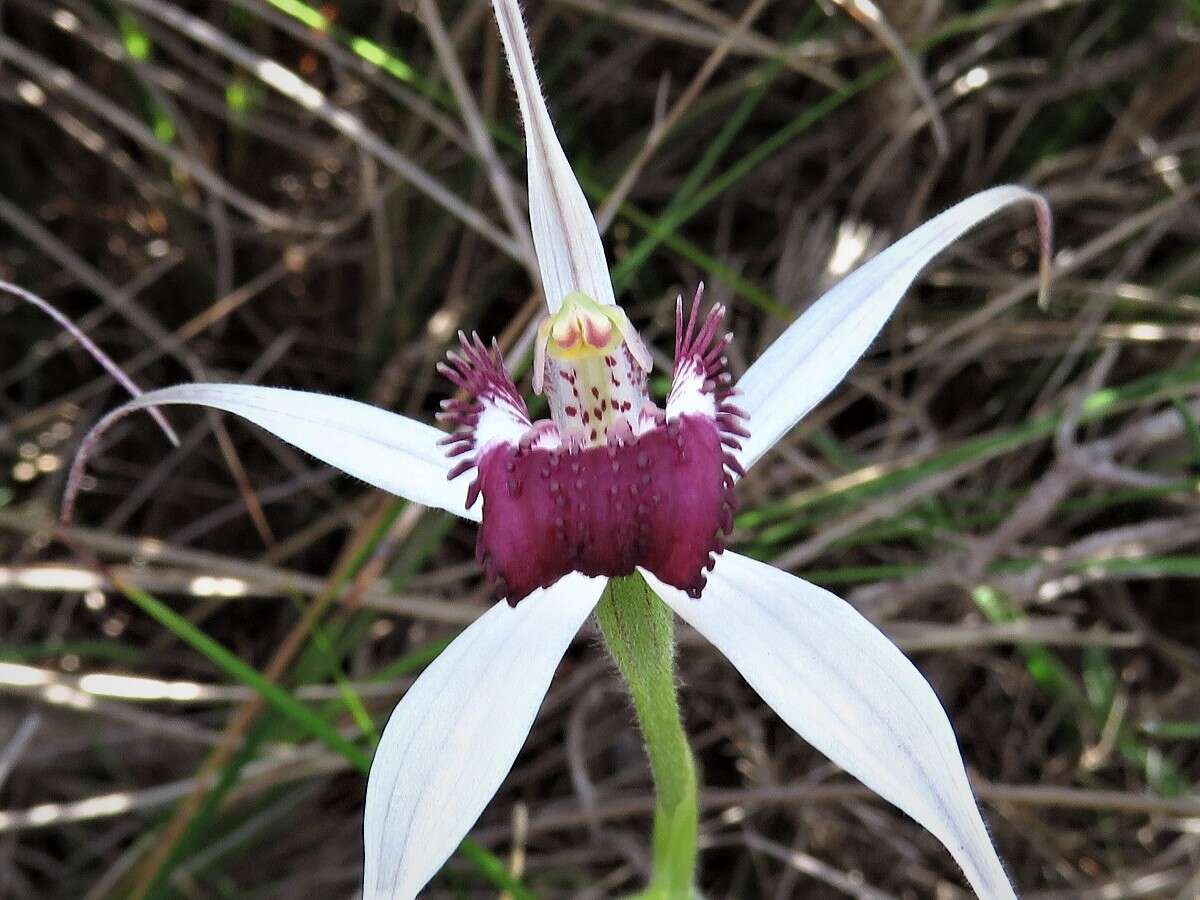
90, 346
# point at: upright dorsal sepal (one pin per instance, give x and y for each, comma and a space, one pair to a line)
569, 252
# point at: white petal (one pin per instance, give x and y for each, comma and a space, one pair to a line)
570, 255
493, 410
455, 734
392, 452
846, 689
818, 349
687, 394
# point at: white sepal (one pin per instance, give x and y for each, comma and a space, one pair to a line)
570, 254
817, 350
389, 451
455, 735
848, 691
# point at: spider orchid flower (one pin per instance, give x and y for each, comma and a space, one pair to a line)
610, 485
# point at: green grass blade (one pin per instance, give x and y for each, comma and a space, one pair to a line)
276, 696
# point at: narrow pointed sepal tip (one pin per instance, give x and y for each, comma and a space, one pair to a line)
1045, 225
570, 253
90, 346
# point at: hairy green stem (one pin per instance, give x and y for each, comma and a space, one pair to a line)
639, 630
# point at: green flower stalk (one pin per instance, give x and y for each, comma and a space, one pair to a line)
639, 630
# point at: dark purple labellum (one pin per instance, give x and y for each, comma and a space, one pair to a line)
656, 490
659, 501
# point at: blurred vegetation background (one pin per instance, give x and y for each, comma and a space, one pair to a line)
319, 196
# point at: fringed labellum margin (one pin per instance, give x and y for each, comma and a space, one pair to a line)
610, 482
